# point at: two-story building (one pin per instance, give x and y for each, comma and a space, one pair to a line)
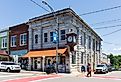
4, 46
78, 44
18, 41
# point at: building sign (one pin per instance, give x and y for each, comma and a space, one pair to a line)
18, 52
3, 34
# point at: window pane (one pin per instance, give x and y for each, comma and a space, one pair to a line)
45, 34
36, 39
62, 34
51, 36
62, 31
63, 37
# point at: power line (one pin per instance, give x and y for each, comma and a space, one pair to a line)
102, 10
108, 21
111, 43
107, 27
112, 32
39, 5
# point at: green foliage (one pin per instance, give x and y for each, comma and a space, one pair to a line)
115, 60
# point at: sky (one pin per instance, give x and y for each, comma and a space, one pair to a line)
13, 12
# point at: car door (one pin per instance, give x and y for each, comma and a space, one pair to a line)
2, 66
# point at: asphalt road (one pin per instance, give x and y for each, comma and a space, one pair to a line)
36, 77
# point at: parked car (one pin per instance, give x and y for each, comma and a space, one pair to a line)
109, 68
9, 66
101, 68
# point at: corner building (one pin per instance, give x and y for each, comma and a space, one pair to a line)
78, 45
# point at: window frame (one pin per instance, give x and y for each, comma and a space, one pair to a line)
14, 42
36, 40
63, 34
45, 38
4, 42
24, 43
51, 37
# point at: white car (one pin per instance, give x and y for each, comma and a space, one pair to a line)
101, 68
9, 66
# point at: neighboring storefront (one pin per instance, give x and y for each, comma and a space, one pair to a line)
4, 56
4, 40
18, 41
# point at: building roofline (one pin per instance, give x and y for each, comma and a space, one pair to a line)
4, 29
62, 11
17, 25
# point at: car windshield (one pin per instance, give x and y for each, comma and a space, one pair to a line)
100, 65
8, 63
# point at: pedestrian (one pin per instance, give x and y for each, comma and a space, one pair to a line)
82, 68
89, 70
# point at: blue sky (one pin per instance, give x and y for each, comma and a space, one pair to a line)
14, 12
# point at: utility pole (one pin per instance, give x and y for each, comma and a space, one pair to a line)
57, 31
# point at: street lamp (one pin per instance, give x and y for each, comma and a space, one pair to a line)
57, 33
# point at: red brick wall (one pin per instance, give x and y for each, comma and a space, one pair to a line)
17, 30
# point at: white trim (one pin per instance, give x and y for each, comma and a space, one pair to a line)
4, 39
13, 41
24, 43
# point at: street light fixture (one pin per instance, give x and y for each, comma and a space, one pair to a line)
57, 33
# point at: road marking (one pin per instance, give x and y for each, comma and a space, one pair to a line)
44, 79
15, 75
28, 79
105, 77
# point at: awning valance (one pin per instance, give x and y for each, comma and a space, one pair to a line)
41, 53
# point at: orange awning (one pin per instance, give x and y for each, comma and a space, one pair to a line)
41, 53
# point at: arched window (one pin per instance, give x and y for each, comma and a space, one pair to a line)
36, 39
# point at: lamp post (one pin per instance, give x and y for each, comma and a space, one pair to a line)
57, 32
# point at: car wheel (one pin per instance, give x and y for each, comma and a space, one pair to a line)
8, 70
95, 72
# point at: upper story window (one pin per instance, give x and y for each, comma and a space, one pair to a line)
97, 46
45, 37
51, 36
13, 41
36, 39
4, 42
89, 42
23, 39
84, 39
81, 42
93, 46
63, 35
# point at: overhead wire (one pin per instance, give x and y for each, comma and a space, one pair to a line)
107, 27
112, 43
111, 32
39, 5
108, 21
102, 10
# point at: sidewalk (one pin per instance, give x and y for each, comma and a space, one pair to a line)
33, 72
74, 74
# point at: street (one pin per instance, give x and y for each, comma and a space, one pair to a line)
36, 77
